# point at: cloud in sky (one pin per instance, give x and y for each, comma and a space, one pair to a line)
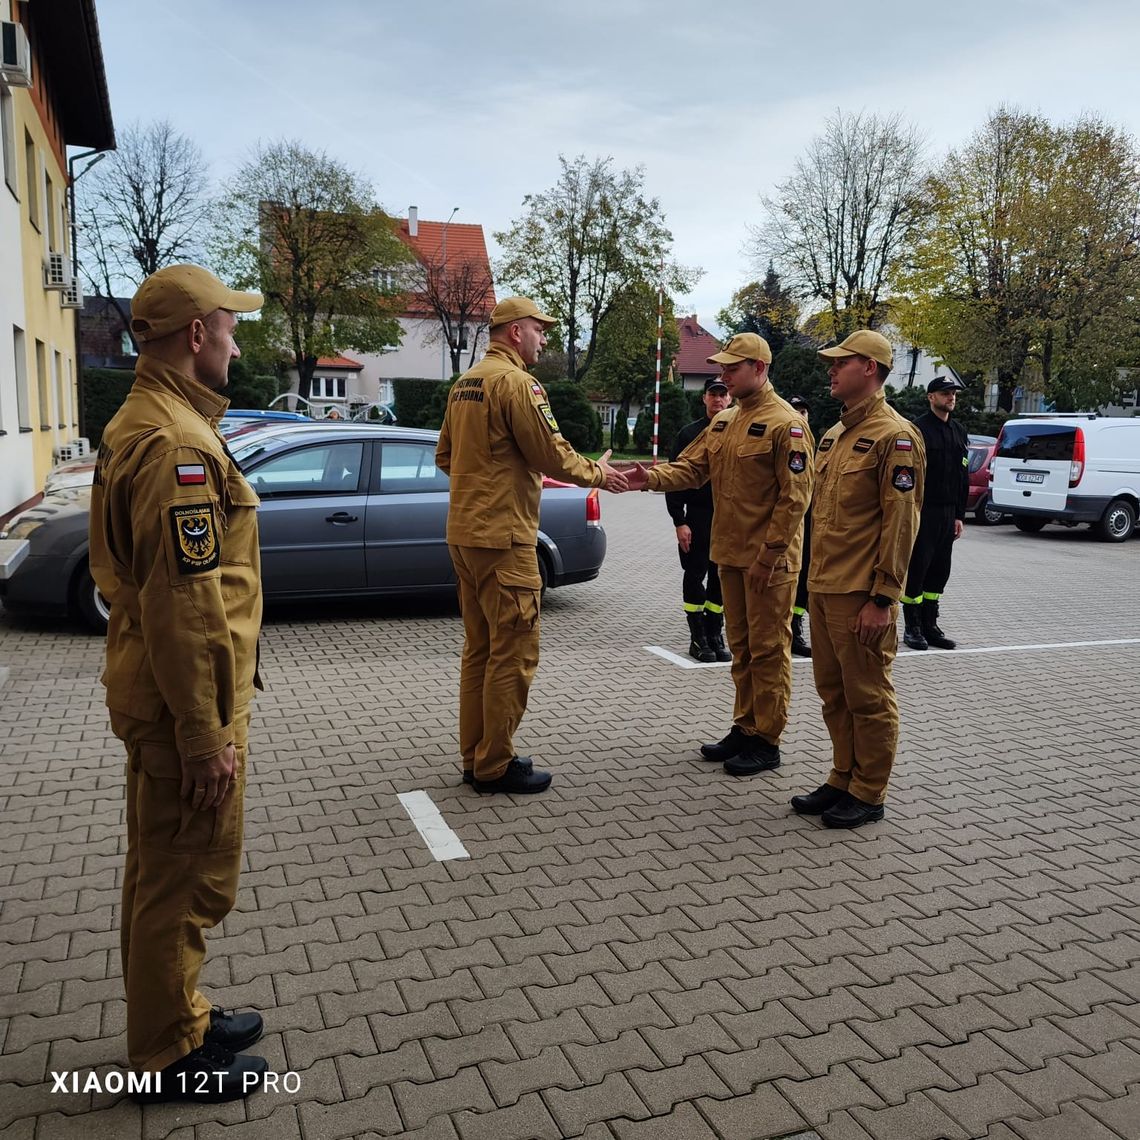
447, 103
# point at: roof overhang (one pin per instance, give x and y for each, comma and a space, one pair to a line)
67, 35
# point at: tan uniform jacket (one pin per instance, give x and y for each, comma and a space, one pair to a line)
759, 457
869, 474
174, 550
498, 439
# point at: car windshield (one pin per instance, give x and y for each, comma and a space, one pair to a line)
1041, 442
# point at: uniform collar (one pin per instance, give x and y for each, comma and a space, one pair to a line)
505, 352
866, 407
757, 399
159, 376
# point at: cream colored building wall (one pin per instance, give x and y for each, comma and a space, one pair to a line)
49, 328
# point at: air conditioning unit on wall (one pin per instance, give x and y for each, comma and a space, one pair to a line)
72, 295
15, 56
57, 271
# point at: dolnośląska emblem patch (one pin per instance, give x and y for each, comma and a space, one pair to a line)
195, 537
548, 415
903, 479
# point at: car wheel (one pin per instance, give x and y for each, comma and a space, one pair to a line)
1118, 522
92, 607
1029, 526
987, 514
543, 573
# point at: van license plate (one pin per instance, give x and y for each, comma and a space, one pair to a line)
1029, 477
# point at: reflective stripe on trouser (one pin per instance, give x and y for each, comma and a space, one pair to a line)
759, 629
930, 561
180, 879
499, 599
854, 683
700, 583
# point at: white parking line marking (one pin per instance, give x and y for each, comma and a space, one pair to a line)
442, 842
689, 663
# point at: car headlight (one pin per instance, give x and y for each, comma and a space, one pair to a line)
22, 527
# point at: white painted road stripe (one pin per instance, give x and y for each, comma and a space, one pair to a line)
689, 663
442, 842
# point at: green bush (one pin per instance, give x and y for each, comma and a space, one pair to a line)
577, 420
416, 401
620, 436
104, 390
250, 389
676, 411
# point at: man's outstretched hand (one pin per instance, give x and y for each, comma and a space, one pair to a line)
637, 477
616, 480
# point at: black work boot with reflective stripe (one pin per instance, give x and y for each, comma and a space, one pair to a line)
912, 625
714, 629
934, 636
699, 648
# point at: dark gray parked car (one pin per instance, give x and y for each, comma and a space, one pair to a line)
346, 509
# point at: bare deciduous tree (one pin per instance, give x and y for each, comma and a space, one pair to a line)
142, 209
837, 227
454, 295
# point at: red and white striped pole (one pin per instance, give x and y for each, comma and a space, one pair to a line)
657, 385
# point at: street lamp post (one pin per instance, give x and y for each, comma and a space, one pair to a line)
74, 176
442, 274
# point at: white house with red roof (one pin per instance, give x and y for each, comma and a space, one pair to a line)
453, 258
691, 366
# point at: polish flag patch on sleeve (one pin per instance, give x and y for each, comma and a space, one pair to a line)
796, 432
903, 445
190, 474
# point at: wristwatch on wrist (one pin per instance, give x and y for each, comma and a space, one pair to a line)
882, 601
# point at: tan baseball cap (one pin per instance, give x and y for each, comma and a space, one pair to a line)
863, 342
743, 346
515, 309
173, 297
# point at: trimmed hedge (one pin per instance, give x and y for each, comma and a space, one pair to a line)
104, 390
417, 402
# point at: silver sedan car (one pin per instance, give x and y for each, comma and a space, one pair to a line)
346, 510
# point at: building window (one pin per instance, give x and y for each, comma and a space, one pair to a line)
33, 173
329, 387
384, 279
43, 387
126, 345
462, 338
62, 403
8, 141
52, 220
19, 346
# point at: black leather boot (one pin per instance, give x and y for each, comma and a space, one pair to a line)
800, 647
699, 648
934, 636
714, 631
732, 745
912, 625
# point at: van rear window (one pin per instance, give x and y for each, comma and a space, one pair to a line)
1037, 441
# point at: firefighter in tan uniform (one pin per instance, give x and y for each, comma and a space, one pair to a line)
869, 477
499, 438
174, 550
758, 455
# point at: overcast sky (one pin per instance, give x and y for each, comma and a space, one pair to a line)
469, 104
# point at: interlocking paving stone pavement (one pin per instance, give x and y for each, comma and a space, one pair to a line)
651, 948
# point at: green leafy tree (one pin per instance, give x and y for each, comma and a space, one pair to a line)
676, 412
625, 364
799, 371
763, 307
577, 420
306, 232
579, 247
1027, 267
840, 224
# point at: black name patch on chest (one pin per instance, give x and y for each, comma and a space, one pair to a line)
863, 444
720, 425
757, 429
827, 444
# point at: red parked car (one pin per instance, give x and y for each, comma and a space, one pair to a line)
982, 448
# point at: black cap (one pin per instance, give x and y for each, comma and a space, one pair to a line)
799, 403
945, 384
715, 382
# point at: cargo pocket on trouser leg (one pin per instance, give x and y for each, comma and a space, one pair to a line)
519, 599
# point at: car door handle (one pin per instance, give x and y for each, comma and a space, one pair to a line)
341, 518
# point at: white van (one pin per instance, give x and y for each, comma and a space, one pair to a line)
1069, 468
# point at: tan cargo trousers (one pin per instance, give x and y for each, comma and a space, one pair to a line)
759, 629
859, 706
499, 599
180, 880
